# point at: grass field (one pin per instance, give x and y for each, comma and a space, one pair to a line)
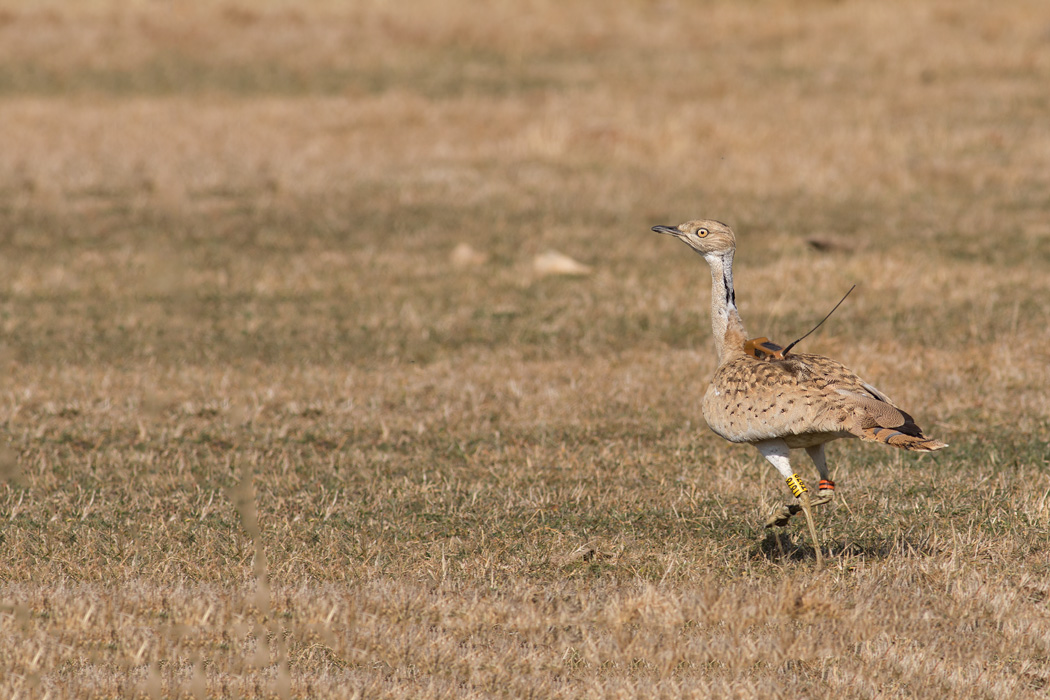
271, 431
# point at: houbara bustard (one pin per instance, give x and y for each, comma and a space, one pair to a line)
778, 401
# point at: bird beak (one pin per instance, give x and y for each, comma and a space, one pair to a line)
667, 229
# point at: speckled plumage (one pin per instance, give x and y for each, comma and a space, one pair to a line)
806, 400
798, 401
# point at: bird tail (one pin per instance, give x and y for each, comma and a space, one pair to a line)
878, 420
890, 436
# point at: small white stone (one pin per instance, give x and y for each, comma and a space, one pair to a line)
554, 263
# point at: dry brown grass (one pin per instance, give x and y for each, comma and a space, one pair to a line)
265, 438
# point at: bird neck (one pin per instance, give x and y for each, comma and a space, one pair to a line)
726, 324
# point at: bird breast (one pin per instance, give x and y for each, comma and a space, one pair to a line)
752, 399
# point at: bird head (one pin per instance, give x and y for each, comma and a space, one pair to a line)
705, 236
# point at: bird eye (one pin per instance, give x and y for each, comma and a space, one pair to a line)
702, 232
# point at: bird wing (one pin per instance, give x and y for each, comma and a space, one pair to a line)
752, 399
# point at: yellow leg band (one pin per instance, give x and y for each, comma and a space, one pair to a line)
796, 485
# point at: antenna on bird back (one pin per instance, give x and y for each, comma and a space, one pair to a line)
791, 345
763, 349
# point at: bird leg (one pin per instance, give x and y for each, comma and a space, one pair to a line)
780, 516
824, 493
812, 528
827, 487
778, 454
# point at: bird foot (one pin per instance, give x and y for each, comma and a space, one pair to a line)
781, 514
822, 498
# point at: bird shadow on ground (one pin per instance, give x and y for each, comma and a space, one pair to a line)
778, 546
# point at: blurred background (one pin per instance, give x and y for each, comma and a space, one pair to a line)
363, 182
